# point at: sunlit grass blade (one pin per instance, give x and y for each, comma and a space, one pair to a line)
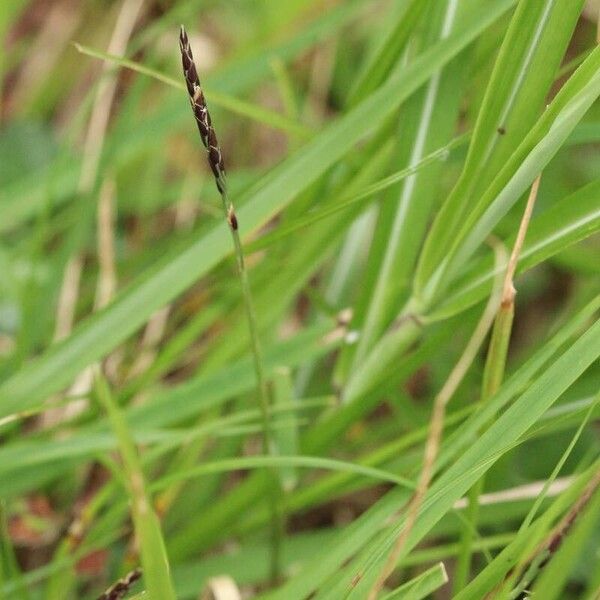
568, 221
254, 462
441, 154
531, 52
231, 104
427, 121
387, 54
147, 527
421, 586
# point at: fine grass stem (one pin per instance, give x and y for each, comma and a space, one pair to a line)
493, 376
236, 106
217, 166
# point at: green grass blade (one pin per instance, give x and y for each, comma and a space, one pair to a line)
496, 571
552, 581
426, 122
421, 586
344, 203
531, 53
147, 527
255, 462
459, 476
234, 105
286, 440
559, 465
496, 440
570, 220
563, 114
386, 56
9, 565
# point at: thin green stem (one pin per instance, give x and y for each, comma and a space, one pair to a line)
277, 524
257, 354
217, 166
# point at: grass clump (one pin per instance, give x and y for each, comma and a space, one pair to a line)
397, 395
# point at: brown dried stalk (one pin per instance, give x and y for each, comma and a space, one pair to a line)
439, 408
436, 426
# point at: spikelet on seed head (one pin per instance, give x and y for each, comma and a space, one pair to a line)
200, 110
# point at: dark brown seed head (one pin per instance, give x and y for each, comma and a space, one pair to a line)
200, 109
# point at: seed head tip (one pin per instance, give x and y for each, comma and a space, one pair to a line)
200, 110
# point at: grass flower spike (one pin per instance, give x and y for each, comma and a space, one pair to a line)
205, 127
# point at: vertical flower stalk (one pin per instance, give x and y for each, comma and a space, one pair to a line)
493, 375
217, 166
